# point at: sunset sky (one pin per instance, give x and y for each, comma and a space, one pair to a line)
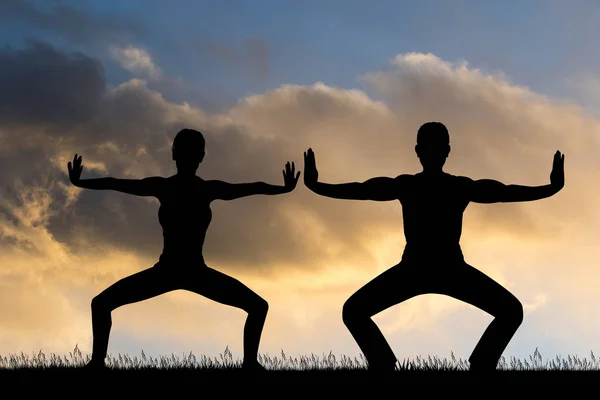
115, 80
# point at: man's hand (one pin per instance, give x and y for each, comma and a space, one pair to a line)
311, 175
557, 176
290, 178
75, 170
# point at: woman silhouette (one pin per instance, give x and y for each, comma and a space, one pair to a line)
184, 215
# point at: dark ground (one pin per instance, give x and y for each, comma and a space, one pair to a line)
73, 382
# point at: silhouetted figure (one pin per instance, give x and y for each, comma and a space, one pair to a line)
184, 215
433, 203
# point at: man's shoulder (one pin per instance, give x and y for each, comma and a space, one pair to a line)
155, 181
164, 180
404, 179
460, 178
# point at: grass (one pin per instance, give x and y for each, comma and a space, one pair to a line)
283, 362
342, 372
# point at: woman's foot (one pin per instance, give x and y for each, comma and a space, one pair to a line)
483, 367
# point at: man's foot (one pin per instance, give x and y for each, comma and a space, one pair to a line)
382, 369
94, 365
253, 366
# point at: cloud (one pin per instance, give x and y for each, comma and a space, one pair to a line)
77, 26
254, 56
136, 60
305, 254
142, 66
33, 80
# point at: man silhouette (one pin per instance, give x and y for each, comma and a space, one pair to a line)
433, 203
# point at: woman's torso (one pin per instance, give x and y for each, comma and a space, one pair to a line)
184, 215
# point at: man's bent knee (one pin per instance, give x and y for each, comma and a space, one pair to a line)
351, 312
263, 306
100, 304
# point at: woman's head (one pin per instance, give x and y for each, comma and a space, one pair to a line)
188, 149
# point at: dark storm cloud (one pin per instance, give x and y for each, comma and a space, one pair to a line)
75, 25
41, 85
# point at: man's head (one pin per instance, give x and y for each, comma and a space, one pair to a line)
188, 149
433, 145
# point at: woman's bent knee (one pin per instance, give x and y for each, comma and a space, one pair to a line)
97, 303
350, 312
259, 306
517, 312
513, 312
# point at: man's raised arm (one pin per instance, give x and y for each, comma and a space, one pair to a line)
491, 191
376, 189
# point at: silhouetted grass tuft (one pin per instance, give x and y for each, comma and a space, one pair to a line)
326, 362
